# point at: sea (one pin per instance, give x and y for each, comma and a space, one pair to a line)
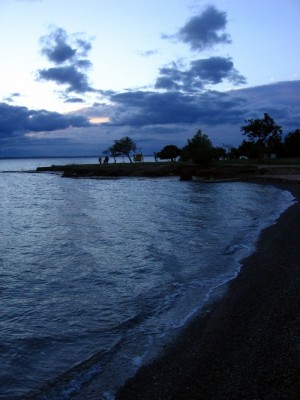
98, 275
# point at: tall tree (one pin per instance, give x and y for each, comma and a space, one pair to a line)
264, 132
198, 149
124, 146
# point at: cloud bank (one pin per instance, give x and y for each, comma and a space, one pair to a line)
210, 108
14, 119
151, 118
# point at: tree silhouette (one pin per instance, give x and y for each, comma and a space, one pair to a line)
124, 146
169, 152
198, 149
264, 132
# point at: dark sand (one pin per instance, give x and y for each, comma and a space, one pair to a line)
247, 347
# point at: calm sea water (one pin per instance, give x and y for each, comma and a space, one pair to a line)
97, 275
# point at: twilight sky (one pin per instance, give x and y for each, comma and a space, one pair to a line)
78, 74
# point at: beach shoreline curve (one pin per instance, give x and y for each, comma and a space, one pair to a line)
247, 346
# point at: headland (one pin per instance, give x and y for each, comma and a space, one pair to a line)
186, 171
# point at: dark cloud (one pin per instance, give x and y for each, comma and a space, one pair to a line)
83, 47
167, 81
212, 70
212, 109
215, 70
281, 100
83, 64
205, 30
174, 79
68, 56
56, 48
171, 78
74, 100
11, 97
148, 53
76, 80
152, 108
20, 119
201, 32
50, 121
152, 119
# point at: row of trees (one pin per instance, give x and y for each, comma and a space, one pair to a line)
287, 147
198, 149
264, 137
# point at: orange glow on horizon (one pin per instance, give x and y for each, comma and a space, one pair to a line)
99, 120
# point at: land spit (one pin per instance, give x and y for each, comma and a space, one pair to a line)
186, 171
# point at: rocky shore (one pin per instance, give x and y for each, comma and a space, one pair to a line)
247, 346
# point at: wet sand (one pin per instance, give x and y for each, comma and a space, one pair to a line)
247, 346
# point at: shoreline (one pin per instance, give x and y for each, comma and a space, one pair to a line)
247, 345
185, 171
